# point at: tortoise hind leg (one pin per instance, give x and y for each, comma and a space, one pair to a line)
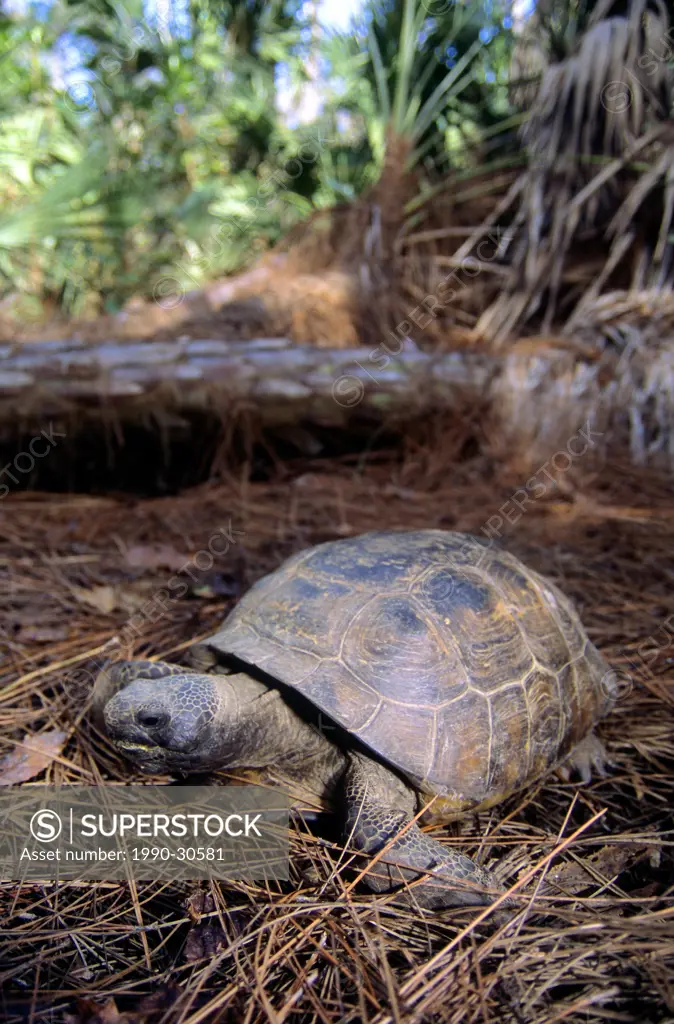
588, 754
378, 806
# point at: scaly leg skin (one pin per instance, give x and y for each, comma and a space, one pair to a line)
378, 806
588, 754
114, 676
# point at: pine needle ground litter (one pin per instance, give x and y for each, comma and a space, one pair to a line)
593, 939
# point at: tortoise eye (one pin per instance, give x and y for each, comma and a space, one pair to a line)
152, 719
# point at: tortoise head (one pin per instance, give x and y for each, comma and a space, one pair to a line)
184, 722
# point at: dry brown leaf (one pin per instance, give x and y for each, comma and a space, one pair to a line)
607, 862
103, 599
88, 1011
107, 598
132, 596
199, 902
155, 556
31, 756
204, 940
41, 634
158, 1002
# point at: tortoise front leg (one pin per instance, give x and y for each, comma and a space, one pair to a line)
116, 675
378, 806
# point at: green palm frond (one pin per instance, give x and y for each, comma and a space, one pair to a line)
54, 214
415, 92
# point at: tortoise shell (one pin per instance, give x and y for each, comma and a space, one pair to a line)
449, 659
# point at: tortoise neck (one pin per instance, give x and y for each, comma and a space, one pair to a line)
275, 732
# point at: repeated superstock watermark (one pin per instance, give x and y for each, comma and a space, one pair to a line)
348, 389
618, 95
169, 291
161, 601
445, 585
538, 485
616, 684
24, 462
85, 88
647, 652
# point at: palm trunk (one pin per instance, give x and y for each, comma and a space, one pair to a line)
396, 186
525, 405
279, 380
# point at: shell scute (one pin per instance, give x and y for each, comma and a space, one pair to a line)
292, 613
391, 644
407, 738
461, 764
379, 565
347, 697
547, 718
543, 634
486, 634
511, 742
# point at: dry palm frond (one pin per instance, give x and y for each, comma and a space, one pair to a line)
603, 98
626, 396
528, 62
600, 166
638, 396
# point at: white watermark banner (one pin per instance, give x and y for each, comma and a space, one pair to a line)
149, 833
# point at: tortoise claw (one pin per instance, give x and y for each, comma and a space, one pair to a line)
589, 754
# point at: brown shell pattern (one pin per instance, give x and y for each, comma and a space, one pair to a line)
451, 660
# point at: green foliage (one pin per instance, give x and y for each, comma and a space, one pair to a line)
265, 30
436, 79
131, 152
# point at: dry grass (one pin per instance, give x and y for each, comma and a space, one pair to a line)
593, 939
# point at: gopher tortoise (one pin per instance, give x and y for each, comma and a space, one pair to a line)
393, 670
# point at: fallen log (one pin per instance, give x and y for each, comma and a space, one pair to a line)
282, 382
529, 401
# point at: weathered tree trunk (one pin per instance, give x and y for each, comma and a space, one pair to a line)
280, 381
528, 404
